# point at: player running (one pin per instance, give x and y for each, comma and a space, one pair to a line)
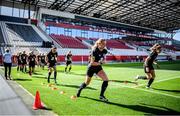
95, 66
39, 59
52, 60
19, 61
24, 61
68, 61
43, 61
148, 65
32, 62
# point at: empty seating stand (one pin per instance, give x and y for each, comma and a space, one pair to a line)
68, 41
26, 32
117, 44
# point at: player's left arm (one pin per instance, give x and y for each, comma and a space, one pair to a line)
157, 65
36, 60
56, 57
103, 59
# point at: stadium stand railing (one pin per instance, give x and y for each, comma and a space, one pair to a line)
4, 33
1, 37
40, 28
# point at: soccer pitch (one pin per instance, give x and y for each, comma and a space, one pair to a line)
125, 96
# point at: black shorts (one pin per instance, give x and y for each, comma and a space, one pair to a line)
52, 65
24, 63
68, 63
43, 61
93, 69
32, 64
19, 63
150, 68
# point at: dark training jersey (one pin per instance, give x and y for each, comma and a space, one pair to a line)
19, 60
43, 59
68, 57
32, 59
153, 56
52, 57
24, 58
98, 55
39, 57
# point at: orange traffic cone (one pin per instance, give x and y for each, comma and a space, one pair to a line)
37, 102
73, 97
54, 88
62, 92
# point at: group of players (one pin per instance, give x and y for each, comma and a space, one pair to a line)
41, 60
96, 59
23, 60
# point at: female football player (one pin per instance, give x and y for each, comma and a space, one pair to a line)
148, 65
95, 66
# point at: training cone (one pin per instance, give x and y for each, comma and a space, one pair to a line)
50, 85
54, 88
37, 102
73, 97
62, 92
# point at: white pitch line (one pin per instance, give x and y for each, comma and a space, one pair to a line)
151, 91
159, 81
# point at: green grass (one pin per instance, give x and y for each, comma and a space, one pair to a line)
124, 98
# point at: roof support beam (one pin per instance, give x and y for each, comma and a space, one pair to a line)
96, 6
66, 5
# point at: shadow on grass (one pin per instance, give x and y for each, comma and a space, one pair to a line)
73, 73
167, 109
35, 73
21, 79
37, 76
76, 86
175, 91
125, 81
60, 71
120, 81
45, 108
147, 109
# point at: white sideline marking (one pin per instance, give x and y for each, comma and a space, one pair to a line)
29, 92
25, 89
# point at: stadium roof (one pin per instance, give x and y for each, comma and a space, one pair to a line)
156, 14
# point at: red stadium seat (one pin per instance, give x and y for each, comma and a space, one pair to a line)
68, 41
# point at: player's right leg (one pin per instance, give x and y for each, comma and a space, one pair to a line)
83, 85
49, 73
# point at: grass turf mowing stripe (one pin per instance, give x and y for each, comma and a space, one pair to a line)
150, 90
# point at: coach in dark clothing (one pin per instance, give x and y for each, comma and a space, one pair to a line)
7, 63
